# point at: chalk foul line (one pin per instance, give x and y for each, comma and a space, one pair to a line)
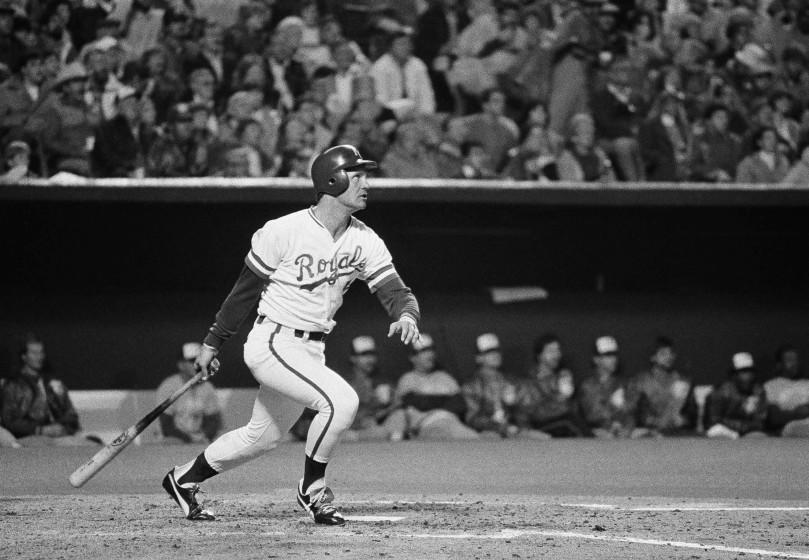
515, 533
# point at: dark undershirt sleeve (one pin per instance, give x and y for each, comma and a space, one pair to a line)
240, 302
398, 299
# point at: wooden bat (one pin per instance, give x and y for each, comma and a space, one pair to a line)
89, 469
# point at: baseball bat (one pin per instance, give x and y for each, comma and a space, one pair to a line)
106, 454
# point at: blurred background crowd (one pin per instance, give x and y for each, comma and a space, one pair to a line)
547, 90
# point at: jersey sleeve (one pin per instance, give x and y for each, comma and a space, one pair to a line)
379, 266
265, 251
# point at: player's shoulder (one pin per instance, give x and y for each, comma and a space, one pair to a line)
361, 228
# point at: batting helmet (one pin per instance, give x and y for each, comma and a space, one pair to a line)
329, 169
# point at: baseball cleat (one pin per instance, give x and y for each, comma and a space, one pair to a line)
320, 506
186, 497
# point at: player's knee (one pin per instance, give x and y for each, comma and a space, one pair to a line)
265, 437
346, 409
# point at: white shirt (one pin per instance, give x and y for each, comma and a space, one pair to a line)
388, 76
309, 271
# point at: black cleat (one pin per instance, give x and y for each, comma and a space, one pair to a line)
320, 506
186, 497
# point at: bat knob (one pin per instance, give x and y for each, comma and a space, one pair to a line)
213, 367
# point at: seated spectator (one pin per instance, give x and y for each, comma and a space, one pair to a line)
17, 158
195, 417
202, 93
402, 82
799, 173
11, 48
545, 401
176, 153
765, 164
665, 139
448, 152
661, 398
534, 159
102, 83
64, 124
7, 439
616, 111
602, 395
491, 128
490, 396
788, 396
121, 144
159, 82
36, 405
409, 157
376, 396
20, 94
738, 406
782, 102
717, 151
428, 399
476, 163
582, 159
287, 79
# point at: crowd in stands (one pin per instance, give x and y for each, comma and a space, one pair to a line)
546, 90
430, 403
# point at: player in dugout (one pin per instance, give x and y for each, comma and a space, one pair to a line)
297, 269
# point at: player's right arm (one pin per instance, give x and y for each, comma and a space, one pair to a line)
259, 264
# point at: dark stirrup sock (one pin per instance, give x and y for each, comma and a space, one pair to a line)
312, 471
198, 472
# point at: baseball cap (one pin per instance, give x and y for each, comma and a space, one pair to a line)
422, 343
743, 361
191, 350
17, 147
606, 345
363, 345
487, 342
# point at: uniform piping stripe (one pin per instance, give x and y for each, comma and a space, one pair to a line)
261, 264
378, 272
310, 382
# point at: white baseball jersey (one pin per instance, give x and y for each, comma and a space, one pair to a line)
308, 271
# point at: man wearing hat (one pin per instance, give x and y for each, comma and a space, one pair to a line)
20, 94
661, 398
65, 125
176, 153
430, 398
17, 157
737, 407
602, 394
195, 417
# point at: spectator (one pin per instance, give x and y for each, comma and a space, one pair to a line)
409, 156
287, 77
738, 406
376, 396
248, 35
476, 163
545, 401
208, 53
534, 159
102, 84
661, 398
602, 395
202, 86
11, 49
717, 151
121, 143
616, 110
490, 395
449, 155
788, 130
491, 128
176, 153
160, 83
765, 164
195, 417
429, 400
582, 160
36, 406
799, 173
665, 139
64, 124
20, 94
402, 82
787, 395
17, 163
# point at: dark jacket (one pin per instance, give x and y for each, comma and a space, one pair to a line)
116, 152
24, 410
613, 117
657, 151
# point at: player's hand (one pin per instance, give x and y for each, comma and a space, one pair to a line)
206, 362
407, 328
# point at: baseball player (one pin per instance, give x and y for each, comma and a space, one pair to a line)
298, 268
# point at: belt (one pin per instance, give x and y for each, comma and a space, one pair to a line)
306, 335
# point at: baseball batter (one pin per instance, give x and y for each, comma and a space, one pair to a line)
298, 268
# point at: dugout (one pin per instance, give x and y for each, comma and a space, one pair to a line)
116, 274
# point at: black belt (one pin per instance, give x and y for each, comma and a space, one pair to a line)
308, 335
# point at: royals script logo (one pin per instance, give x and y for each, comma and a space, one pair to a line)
342, 264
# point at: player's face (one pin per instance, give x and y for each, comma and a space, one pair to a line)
355, 196
34, 356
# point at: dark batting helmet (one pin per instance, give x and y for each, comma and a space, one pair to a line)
329, 169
